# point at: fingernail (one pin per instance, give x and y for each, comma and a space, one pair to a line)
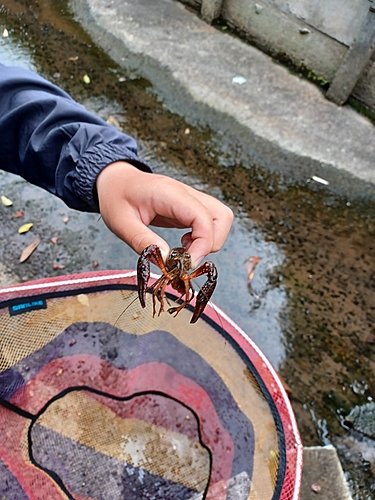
164, 253
196, 262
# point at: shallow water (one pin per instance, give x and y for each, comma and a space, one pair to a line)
314, 318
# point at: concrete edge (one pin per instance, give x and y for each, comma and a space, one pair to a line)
323, 475
232, 138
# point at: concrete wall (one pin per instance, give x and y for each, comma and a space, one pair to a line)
314, 33
339, 19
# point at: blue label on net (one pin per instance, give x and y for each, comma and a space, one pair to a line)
30, 305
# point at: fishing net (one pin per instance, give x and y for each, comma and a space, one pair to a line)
97, 403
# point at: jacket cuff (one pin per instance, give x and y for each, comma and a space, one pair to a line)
93, 162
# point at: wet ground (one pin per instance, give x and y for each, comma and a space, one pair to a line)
314, 317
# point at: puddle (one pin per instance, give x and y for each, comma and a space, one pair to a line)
315, 315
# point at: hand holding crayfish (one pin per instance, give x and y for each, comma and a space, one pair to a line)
175, 273
130, 200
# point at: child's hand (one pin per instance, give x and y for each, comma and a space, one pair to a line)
130, 200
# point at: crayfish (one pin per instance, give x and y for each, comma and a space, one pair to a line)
175, 273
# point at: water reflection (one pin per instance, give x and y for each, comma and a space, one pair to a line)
11, 51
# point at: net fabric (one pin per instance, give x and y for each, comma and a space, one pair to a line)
99, 404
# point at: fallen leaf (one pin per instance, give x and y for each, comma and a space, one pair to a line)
287, 388
320, 180
65, 219
250, 266
112, 120
27, 251
25, 228
73, 58
6, 201
58, 266
18, 214
95, 265
83, 299
54, 240
86, 79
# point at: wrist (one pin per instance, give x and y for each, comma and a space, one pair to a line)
113, 175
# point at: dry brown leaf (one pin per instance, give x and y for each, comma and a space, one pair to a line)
112, 120
18, 214
287, 388
58, 266
29, 250
250, 266
54, 240
95, 265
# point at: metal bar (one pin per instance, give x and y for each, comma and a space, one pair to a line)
355, 61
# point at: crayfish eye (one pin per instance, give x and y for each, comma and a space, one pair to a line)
173, 254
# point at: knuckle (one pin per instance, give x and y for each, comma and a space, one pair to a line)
139, 242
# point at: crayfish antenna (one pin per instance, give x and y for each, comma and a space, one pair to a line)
124, 311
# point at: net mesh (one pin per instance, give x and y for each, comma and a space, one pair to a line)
99, 399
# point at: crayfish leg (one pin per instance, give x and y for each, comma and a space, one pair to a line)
159, 293
188, 297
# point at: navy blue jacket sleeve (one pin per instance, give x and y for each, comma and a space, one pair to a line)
54, 142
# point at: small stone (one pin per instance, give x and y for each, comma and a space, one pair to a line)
316, 488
